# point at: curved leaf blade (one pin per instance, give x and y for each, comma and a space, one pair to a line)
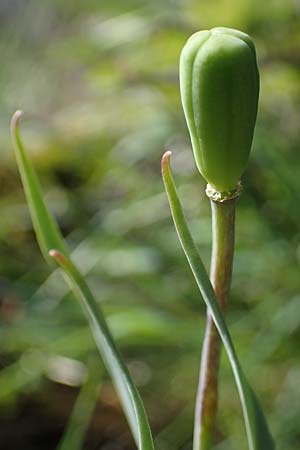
46, 229
258, 434
49, 238
132, 403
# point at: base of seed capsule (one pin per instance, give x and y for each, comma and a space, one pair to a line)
224, 196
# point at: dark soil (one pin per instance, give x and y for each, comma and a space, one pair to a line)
37, 423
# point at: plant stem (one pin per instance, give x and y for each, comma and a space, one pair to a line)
223, 222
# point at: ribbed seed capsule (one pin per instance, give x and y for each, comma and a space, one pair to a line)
219, 85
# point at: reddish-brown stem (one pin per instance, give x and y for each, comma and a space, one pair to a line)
223, 220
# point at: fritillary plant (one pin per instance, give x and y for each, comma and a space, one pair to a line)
219, 86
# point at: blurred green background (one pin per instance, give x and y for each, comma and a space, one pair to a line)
98, 81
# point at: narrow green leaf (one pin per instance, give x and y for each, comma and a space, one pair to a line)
46, 229
49, 238
259, 437
79, 420
127, 391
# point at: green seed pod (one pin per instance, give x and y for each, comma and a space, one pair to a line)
219, 85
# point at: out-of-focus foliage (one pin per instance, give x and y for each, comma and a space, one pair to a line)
99, 84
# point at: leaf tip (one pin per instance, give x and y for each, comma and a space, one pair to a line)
165, 161
15, 120
57, 255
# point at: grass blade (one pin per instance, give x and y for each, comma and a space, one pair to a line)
78, 422
127, 391
50, 238
46, 229
258, 434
